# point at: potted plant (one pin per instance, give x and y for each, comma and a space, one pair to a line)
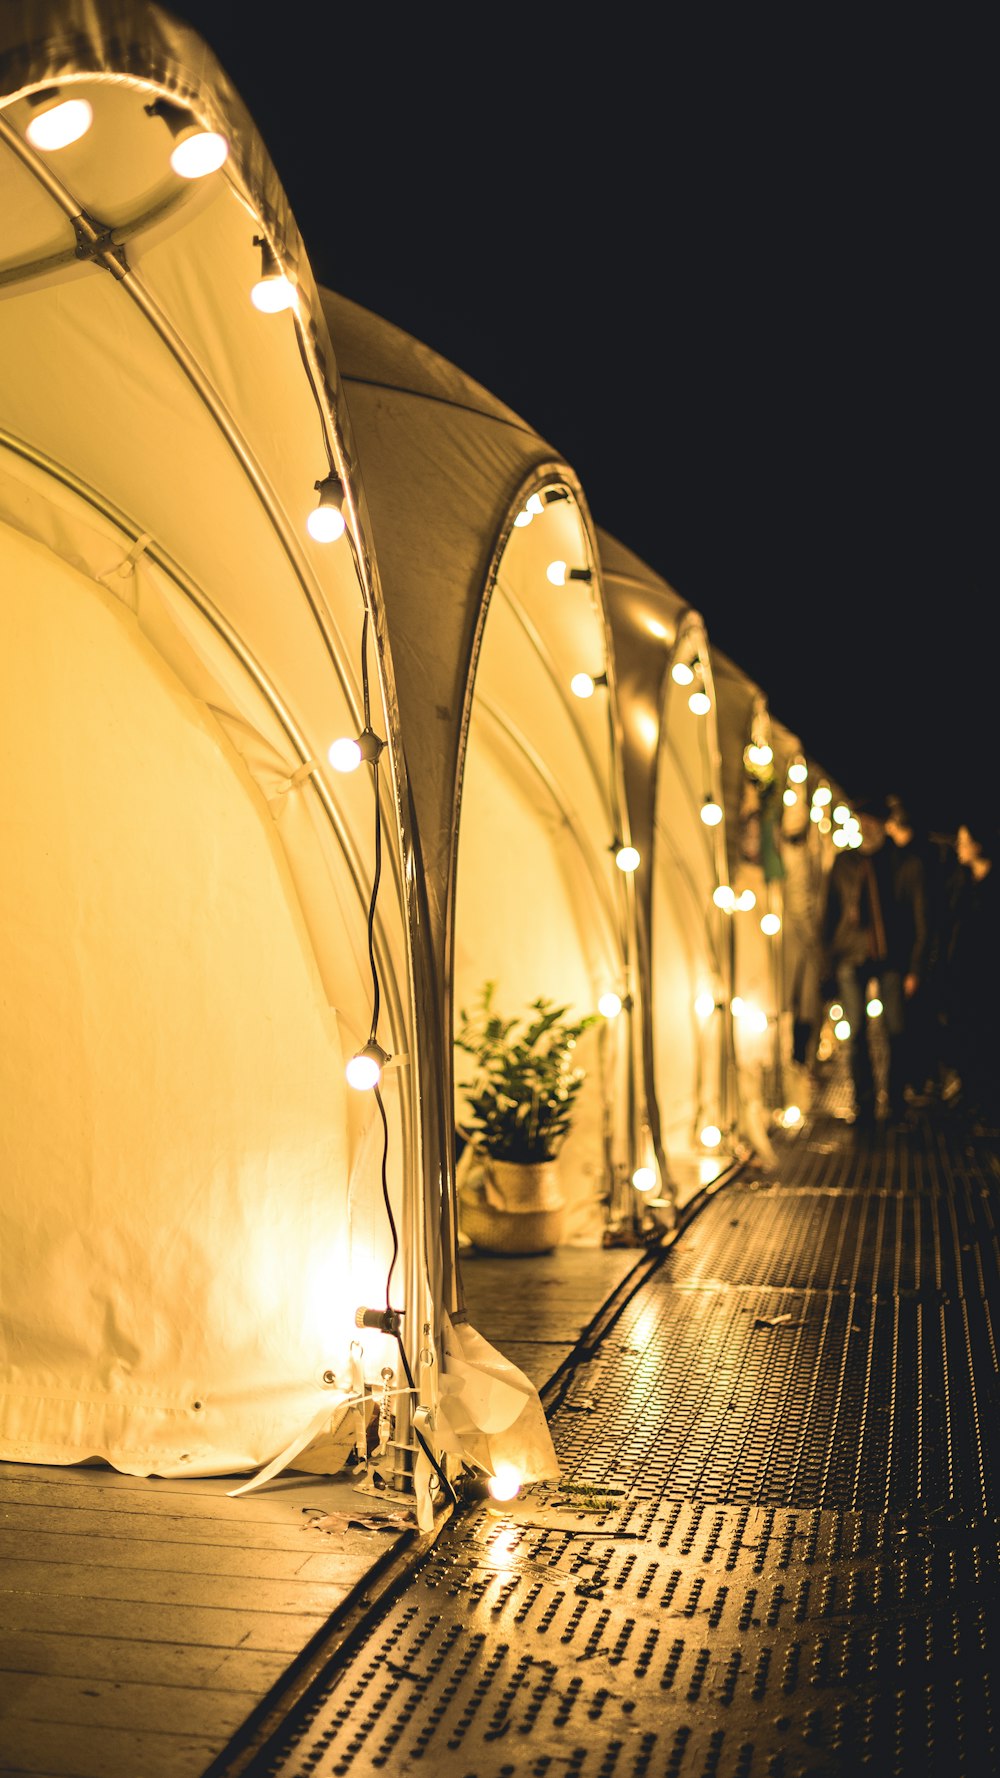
520, 1103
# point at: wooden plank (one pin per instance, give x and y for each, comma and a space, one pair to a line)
58, 1580
273, 1505
162, 1623
32, 1749
93, 1703
309, 1559
94, 1522
147, 1663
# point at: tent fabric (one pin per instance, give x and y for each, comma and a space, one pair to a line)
159, 444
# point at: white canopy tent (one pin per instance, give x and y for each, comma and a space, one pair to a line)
203, 919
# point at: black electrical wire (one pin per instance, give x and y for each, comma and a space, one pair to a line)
385, 1195
421, 1441
376, 879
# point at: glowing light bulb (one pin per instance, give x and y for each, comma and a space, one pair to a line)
797, 772
770, 924
273, 295
201, 153
793, 1116
711, 814
765, 754
344, 755
824, 823
836, 1010
711, 1136
815, 814
724, 898
534, 505
681, 673
874, 1008
609, 1006
755, 755
745, 901
60, 125
627, 858
842, 1030
756, 1018
704, 1005
644, 1179
840, 837
556, 573
656, 629
505, 1482
326, 521
853, 840
699, 703
790, 798
842, 814
523, 518
581, 685
737, 1006
364, 1071
822, 796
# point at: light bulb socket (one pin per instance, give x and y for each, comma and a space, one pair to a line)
331, 488
374, 1053
387, 1321
580, 574
176, 117
269, 267
44, 96
371, 746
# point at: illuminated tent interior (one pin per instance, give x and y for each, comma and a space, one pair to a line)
196, 1202
493, 598
672, 773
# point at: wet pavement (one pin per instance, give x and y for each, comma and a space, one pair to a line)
773, 1551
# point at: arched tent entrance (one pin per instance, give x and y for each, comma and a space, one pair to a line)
485, 645
195, 1202
672, 773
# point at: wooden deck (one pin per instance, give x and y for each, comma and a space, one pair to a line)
142, 1621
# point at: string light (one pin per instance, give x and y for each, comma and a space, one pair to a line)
558, 573
326, 521
822, 796
756, 1018
609, 1005
345, 754
699, 703
842, 1030
681, 673
711, 1136
798, 772
790, 798
505, 1482
757, 756
874, 1009
60, 124
724, 898
273, 292
711, 813
534, 505
197, 151
644, 1179
524, 517
364, 1070
737, 1006
840, 837
836, 1010
704, 1005
770, 924
746, 901
842, 814
626, 857
793, 1116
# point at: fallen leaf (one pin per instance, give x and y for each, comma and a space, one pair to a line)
771, 1320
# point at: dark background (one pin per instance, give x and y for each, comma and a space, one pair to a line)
738, 270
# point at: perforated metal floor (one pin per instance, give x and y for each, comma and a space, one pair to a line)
774, 1553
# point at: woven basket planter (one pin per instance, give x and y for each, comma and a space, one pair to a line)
518, 1209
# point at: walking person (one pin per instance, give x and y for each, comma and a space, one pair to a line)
972, 974
875, 927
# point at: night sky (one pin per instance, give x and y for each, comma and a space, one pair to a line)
737, 268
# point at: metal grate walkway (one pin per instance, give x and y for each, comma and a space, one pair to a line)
774, 1551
